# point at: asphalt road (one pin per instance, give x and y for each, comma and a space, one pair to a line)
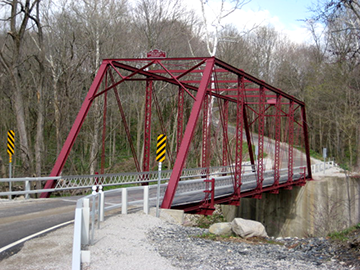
21, 218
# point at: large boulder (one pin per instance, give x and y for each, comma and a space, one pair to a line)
246, 228
222, 228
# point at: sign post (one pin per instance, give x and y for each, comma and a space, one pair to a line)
160, 157
10, 151
324, 156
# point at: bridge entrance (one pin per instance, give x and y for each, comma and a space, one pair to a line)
213, 114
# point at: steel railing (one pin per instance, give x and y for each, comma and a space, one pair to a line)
68, 183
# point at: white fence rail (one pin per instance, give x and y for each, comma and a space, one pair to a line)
322, 167
90, 212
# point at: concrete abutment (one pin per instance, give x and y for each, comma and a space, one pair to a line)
328, 203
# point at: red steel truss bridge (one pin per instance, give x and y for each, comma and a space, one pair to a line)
214, 115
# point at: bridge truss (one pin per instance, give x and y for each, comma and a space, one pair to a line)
225, 110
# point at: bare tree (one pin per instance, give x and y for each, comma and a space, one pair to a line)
216, 21
12, 57
342, 20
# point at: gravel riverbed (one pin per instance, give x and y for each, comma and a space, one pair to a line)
183, 247
139, 241
152, 243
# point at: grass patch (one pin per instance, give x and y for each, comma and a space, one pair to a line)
344, 234
237, 239
206, 221
214, 237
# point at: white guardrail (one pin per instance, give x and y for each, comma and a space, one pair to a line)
85, 216
323, 166
90, 210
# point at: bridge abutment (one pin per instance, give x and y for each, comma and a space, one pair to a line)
329, 203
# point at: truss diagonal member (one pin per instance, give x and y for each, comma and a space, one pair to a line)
123, 78
64, 153
224, 121
126, 126
189, 131
175, 78
306, 142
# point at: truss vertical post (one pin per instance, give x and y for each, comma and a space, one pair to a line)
291, 142
225, 121
239, 137
189, 131
180, 118
277, 140
103, 135
205, 134
64, 153
147, 127
260, 171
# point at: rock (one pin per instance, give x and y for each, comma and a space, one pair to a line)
355, 242
222, 228
248, 228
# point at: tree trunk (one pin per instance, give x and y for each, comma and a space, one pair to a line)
24, 149
357, 165
39, 140
2, 168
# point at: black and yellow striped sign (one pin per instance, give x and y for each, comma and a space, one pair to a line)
11, 142
160, 148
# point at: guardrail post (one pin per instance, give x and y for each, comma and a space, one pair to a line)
101, 204
124, 201
93, 212
76, 252
146, 199
27, 188
85, 222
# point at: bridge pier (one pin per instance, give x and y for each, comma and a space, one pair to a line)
326, 204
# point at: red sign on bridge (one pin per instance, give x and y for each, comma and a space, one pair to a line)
156, 54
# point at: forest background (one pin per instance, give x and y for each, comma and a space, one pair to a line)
50, 52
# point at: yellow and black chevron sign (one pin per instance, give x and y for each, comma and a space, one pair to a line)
11, 142
160, 149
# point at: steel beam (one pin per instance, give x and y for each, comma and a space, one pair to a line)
261, 123
239, 138
291, 142
205, 133
225, 120
180, 118
277, 140
64, 153
147, 126
189, 132
127, 129
306, 142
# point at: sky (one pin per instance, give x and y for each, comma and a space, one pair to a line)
284, 15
